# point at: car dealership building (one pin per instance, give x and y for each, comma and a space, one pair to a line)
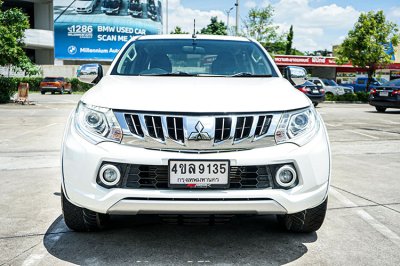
326, 67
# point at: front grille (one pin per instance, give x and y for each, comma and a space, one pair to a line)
199, 133
156, 177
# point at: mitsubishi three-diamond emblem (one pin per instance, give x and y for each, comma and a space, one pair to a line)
199, 135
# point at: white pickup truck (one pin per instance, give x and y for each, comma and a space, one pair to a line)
186, 124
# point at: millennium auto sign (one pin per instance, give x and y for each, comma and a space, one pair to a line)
97, 30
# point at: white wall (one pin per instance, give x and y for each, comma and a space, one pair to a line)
63, 71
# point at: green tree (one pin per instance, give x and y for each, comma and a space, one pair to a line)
259, 25
366, 44
215, 27
13, 23
289, 41
178, 30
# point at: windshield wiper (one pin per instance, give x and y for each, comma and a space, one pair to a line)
173, 74
247, 74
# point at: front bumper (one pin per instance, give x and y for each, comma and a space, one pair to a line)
50, 89
81, 161
110, 10
388, 102
316, 98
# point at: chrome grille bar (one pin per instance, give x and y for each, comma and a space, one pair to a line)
223, 128
244, 124
154, 127
134, 125
176, 134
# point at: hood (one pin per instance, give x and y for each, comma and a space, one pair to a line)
82, 4
195, 94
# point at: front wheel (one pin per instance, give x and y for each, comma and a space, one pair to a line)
80, 219
380, 109
306, 221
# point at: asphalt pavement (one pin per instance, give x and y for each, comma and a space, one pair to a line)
362, 226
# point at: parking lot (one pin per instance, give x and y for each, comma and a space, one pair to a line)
362, 226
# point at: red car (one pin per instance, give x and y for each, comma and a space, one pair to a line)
55, 84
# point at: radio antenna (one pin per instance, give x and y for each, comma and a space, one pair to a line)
194, 36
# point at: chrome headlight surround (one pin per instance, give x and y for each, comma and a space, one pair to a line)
97, 124
297, 127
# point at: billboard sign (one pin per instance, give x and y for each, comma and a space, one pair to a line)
97, 29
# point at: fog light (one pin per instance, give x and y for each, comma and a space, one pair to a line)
286, 176
109, 175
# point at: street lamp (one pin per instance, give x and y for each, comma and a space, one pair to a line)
228, 12
166, 16
237, 17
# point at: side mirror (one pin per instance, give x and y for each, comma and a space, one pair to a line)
90, 73
296, 75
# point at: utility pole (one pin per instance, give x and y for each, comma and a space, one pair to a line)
228, 13
166, 16
237, 17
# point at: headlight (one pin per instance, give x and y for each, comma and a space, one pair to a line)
97, 124
297, 127
340, 90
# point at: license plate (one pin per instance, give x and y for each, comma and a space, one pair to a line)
315, 91
198, 174
384, 93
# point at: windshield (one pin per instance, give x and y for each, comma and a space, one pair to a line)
394, 82
194, 58
329, 82
111, 3
49, 80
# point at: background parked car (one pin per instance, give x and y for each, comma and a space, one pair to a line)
314, 92
331, 87
110, 7
135, 8
360, 84
55, 84
85, 6
152, 10
386, 96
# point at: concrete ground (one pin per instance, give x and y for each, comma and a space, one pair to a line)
362, 226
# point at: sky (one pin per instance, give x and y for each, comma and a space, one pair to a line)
317, 24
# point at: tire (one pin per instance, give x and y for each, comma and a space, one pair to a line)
315, 104
80, 219
53, 92
42, 92
306, 221
380, 109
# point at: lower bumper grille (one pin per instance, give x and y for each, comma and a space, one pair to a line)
156, 176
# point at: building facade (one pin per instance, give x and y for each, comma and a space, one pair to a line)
39, 39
